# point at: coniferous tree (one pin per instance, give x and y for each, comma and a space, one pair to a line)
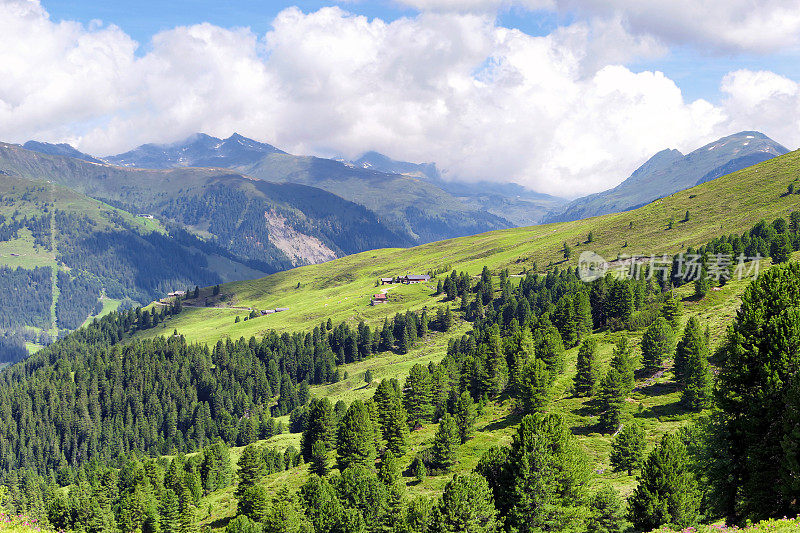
667, 491
319, 458
671, 310
356, 437
657, 343
692, 342
250, 469
464, 414
394, 424
607, 512
696, 395
759, 395
587, 376
549, 476
613, 391
319, 426
467, 505
446, 442
534, 387
627, 448
781, 249
418, 394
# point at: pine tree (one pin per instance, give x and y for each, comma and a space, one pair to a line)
255, 503
692, 342
607, 512
657, 343
671, 310
622, 360
613, 391
250, 469
464, 415
319, 426
627, 448
667, 492
534, 386
319, 459
549, 477
170, 512
446, 442
781, 249
697, 393
467, 505
186, 518
395, 425
587, 376
356, 437
418, 394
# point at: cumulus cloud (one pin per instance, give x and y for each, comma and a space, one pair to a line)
557, 113
732, 25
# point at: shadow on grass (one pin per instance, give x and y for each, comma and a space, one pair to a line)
666, 410
503, 423
219, 523
658, 389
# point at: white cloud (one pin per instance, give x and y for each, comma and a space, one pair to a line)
764, 101
556, 113
721, 25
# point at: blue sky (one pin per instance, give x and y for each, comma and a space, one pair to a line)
571, 103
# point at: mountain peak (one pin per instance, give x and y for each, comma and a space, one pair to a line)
62, 149
197, 150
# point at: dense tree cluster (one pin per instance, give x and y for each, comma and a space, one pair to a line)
77, 299
26, 297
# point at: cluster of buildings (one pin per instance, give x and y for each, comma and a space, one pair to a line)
273, 311
409, 279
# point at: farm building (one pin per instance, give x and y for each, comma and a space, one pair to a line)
387, 281
379, 299
177, 294
410, 279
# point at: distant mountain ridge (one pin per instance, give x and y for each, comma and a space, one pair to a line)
670, 171
59, 149
408, 204
199, 150
521, 206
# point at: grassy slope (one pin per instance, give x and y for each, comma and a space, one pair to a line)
341, 289
660, 411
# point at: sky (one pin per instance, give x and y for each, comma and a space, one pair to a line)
566, 97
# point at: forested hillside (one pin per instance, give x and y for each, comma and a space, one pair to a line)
65, 257
357, 465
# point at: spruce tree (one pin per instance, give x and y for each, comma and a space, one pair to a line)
627, 448
696, 395
667, 492
657, 343
587, 375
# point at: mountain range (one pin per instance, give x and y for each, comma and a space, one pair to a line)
670, 171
